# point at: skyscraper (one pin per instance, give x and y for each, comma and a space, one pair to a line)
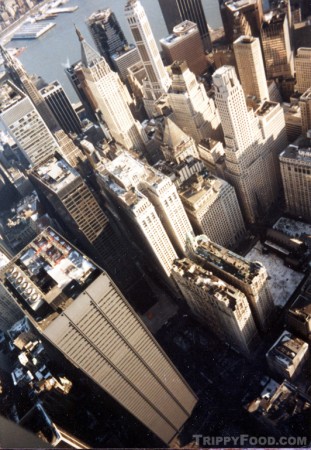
22, 80
251, 278
150, 204
305, 108
80, 311
295, 163
24, 123
60, 105
218, 305
210, 201
176, 145
239, 16
303, 69
276, 44
107, 33
176, 11
112, 98
78, 209
158, 81
185, 44
253, 142
251, 67
194, 111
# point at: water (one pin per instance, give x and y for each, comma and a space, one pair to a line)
48, 55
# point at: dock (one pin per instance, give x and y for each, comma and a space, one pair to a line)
30, 30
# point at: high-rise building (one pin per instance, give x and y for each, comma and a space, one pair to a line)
125, 59
23, 81
276, 44
77, 308
303, 69
253, 142
10, 312
305, 109
158, 81
295, 164
111, 97
107, 33
251, 68
239, 16
218, 305
149, 202
61, 107
194, 111
251, 278
175, 144
68, 150
76, 78
210, 201
176, 11
185, 44
24, 123
78, 209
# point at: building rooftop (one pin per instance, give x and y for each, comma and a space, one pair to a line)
179, 32
266, 108
47, 275
238, 5
306, 95
128, 172
100, 15
9, 96
56, 174
300, 150
201, 187
283, 405
285, 350
226, 260
208, 282
17, 221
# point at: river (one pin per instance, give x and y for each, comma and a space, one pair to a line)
48, 55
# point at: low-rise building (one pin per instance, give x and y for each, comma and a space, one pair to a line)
287, 355
298, 317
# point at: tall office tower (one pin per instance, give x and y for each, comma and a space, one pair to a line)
303, 69
107, 33
296, 171
218, 305
209, 202
185, 44
251, 153
305, 108
79, 310
25, 125
234, 13
176, 11
158, 81
78, 209
148, 205
112, 98
251, 68
10, 312
276, 44
194, 111
68, 149
22, 80
251, 278
61, 107
76, 78
175, 144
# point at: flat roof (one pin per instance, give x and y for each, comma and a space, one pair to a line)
56, 174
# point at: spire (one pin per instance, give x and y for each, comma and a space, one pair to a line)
88, 55
173, 135
79, 34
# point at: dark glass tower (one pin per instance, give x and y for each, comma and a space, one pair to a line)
176, 11
107, 34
